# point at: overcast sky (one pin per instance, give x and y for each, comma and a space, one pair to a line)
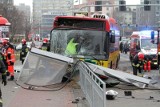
29, 2
132, 1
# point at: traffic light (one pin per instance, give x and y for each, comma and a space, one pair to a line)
122, 8
148, 7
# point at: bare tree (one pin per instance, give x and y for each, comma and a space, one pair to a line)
19, 24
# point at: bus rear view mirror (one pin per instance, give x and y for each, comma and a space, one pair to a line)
112, 36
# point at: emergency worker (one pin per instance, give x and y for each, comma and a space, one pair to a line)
138, 63
1, 47
45, 45
3, 50
24, 51
71, 47
10, 59
74, 45
121, 47
4, 77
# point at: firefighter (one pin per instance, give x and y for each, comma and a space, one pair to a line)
45, 45
24, 51
3, 50
10, 59
4, 77
138, 63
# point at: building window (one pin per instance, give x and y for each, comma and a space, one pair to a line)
157, 13
107, 8
157, 2
98, 8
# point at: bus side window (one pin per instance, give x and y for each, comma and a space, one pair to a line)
112, 36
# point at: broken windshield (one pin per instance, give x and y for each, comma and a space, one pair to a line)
70, 42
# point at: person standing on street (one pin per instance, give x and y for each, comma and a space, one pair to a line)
10, 58
121, 47
3, 50
24, 51
4, 77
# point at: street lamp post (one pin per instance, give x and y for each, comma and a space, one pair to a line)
158, 49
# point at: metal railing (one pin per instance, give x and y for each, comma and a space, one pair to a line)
93, 87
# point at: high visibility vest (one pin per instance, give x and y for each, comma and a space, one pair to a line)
10, 57
71, 48
44, 48
24, 52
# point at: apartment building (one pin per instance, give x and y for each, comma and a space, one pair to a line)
7, 1
42, 7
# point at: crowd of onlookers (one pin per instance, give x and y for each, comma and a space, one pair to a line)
124, 46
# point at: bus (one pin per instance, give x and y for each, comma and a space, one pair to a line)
100, 39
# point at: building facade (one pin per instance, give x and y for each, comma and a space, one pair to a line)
42, 7
26, 10
7, 1
149, 19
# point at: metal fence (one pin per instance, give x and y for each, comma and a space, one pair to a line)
93, 87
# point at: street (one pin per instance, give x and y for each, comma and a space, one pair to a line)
139, 97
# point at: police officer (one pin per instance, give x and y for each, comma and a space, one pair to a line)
138, 63
4, 77
24, 51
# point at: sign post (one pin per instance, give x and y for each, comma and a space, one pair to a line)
158, 49
4, 27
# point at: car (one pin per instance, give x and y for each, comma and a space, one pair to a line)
37, 44
19, 46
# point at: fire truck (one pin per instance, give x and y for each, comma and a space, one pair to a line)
141, 42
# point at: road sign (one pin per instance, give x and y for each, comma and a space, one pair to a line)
4, 28
80, 13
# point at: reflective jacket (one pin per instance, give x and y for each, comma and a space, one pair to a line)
10, 57
2, 66
23, 52
139, 63
71, 48
45, 47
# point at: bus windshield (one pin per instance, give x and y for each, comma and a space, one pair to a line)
147, 44
88, 43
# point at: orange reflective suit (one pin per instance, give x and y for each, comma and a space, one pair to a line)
10, 59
